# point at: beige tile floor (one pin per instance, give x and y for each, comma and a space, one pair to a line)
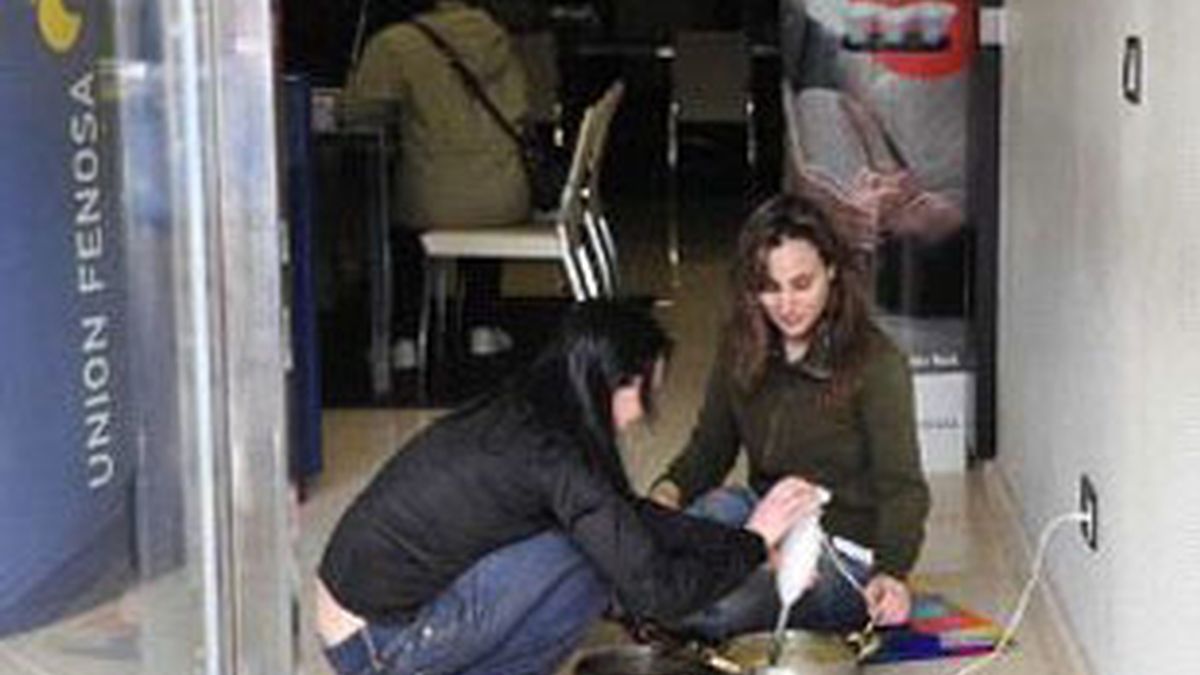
974, 553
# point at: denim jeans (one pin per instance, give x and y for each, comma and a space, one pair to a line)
520, 609
830, 604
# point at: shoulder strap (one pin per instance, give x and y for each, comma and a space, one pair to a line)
469, 80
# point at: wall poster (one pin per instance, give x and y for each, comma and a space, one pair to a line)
875, 98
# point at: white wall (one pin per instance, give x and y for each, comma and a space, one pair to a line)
1099, 326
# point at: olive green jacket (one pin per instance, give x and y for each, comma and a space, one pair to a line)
863, 449
456, 166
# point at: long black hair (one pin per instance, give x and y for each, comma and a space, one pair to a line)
600, 346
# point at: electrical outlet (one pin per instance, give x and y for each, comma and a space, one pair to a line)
1088, 501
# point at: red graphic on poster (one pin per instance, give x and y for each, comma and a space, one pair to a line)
898, 22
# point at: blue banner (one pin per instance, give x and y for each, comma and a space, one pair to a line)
66, 467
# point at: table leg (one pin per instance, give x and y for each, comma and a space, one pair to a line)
380, 257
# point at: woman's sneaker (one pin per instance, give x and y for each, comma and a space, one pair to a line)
404, 354
489, 341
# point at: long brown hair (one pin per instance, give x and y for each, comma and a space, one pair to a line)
845, 320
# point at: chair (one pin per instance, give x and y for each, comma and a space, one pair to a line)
710, 84
599, 232
577, 236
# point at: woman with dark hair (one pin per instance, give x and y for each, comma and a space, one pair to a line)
490, 542
456, 166
811, 388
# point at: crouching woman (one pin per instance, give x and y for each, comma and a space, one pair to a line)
491, 541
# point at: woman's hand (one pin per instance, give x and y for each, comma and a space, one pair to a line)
888, 600
787, 501
666, 493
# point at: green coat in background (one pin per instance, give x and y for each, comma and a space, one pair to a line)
456, 166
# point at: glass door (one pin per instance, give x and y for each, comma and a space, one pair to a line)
143, 478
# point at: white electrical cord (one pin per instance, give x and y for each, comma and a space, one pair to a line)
1023, 602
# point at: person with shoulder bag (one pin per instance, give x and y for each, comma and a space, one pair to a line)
455, 166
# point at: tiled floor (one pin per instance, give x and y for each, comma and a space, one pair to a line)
973, 552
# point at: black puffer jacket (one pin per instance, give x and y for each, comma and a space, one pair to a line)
491, 475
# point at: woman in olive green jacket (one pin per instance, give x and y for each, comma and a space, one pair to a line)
808, 384
457, 166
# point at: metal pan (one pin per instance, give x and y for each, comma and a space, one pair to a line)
635, 659
804, 653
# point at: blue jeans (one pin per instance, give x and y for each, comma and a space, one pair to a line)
831, 604
520, 609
